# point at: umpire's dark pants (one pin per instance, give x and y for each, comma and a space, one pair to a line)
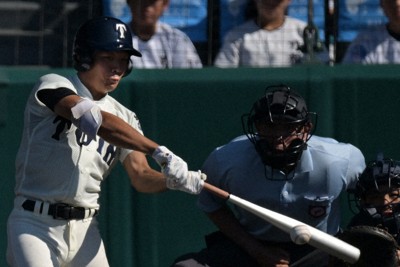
222, 252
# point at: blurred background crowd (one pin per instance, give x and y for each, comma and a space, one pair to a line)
40, 32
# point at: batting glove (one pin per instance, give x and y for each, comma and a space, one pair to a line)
192, 183
171, 165
176, 172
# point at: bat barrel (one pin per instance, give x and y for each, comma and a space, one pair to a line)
334, 246
319, 239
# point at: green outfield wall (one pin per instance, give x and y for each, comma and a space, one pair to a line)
191, 112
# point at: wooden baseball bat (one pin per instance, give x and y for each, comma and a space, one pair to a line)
320, 240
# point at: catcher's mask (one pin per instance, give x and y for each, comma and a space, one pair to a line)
380, 177
279, 116
101, 34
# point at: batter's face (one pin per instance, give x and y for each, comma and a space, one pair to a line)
382, 200
106, 72
146, 13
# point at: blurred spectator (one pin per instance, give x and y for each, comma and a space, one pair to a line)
379, 44
268, 38
161, 45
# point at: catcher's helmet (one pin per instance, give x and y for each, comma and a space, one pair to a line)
101, 34
279, 106
380, 176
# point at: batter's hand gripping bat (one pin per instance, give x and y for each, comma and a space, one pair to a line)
314, 237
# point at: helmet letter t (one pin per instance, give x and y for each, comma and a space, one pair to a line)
121, 29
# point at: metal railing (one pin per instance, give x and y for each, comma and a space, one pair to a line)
40, 32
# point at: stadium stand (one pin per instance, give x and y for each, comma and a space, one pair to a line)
39, 32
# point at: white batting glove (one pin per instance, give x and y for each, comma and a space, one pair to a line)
192, 183
176, 172
171, 165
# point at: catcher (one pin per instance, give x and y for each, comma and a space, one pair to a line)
375, 227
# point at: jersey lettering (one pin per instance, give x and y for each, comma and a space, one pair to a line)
110, 152
121, 29
83, 140
61, 125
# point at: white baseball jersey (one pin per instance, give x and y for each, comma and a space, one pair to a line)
373, 46
249, 46
167, 48
57, 162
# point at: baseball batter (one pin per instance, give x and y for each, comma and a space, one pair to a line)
74, 134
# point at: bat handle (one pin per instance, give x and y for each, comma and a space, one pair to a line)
216, 191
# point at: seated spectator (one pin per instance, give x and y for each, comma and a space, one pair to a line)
378, 44
161, 45
269, 38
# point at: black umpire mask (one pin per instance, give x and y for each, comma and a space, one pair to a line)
284, 160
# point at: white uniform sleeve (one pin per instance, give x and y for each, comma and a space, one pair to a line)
49, 81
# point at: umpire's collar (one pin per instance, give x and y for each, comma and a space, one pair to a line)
305, 163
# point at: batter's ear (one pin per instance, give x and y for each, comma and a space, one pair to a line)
82, 63
129, 69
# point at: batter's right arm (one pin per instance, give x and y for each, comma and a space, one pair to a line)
112, 129
119, 133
